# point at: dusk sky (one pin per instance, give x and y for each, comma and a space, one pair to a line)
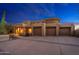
17, 13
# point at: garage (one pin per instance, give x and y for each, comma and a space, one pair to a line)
65, 31
50, 31
37, 31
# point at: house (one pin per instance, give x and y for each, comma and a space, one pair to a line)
46, 27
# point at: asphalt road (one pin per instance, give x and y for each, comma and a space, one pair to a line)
61, 45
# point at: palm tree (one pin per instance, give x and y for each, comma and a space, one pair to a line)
3, 24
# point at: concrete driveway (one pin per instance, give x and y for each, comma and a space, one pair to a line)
61, 45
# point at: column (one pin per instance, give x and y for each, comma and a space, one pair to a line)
32, 30
72, 30
57, 30
44, 29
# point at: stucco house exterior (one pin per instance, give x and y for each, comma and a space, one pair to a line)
46, 27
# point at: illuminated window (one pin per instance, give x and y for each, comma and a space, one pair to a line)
17, 31
21, 30
30, 30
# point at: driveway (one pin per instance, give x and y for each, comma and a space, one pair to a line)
56, 45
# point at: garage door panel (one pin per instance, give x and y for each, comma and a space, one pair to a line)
50, 31
65, 31
37, 31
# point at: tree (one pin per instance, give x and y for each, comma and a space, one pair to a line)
3, 29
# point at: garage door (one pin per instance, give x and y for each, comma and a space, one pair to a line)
37, 31
50, 31
65, 31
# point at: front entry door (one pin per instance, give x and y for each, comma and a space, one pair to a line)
28, 31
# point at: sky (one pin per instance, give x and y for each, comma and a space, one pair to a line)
18, 12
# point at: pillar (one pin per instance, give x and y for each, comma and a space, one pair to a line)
57, 30
32, 30
44, 29
72, 30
